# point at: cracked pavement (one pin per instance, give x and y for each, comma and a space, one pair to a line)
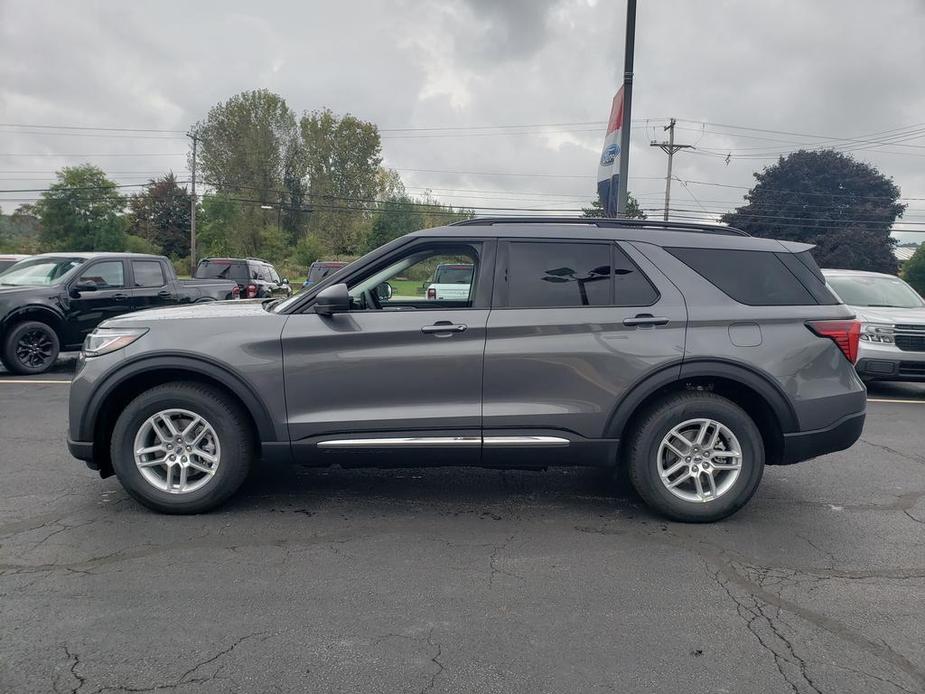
452, 580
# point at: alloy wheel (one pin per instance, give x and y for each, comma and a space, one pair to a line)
35, 348
699, 460
177, 451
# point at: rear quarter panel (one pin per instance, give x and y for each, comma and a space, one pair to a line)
820, 382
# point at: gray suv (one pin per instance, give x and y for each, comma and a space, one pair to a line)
693, 355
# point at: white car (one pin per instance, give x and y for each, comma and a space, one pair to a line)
451, 282
892, 315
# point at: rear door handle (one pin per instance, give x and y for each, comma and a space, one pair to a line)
120, 297
645, 319
444, 327
164, 294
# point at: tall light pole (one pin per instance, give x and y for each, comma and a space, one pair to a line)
192, 212
627, 105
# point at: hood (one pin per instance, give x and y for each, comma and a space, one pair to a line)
14, 291
209, 310
868, 314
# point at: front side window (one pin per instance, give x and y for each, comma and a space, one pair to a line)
148, 273
108, 274
411, 281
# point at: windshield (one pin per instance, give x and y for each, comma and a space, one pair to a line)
886, 292
221, 270
38, 272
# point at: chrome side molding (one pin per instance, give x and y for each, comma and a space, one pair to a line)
403, 442
445, 442
502, 441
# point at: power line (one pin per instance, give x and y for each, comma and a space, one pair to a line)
86, 127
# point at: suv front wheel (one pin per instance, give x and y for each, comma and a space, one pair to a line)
182, 448
696, 457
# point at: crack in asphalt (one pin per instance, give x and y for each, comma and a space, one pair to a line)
74, 659
754, 615
894, 451
186, 678
493, 569
435, 661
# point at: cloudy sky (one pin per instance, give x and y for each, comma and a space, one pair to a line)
487, 103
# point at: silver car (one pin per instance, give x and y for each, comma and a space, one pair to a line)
892, 317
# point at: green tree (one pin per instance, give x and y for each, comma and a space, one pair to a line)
341, 160
160, 214
250, 149
82, 211
844, 207
914, 270
402, 214
633, 211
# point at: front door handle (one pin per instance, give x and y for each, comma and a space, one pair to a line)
120, 297
444, 327
645, 319
164, 294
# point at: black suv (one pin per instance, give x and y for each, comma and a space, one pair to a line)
256, 278
692, 355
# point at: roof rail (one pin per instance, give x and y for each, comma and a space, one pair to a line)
606, 222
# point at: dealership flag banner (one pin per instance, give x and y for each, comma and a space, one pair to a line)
608, 171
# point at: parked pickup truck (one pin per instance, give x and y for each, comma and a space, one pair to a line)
451, 281
50, 302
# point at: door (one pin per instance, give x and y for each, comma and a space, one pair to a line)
97, 293
574, 324
398, 374
151, 288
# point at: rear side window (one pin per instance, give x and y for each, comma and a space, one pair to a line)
221, 270
541, 275
755, 278
148, 273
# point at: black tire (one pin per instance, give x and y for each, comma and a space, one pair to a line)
231, 426
658, 421
30, 347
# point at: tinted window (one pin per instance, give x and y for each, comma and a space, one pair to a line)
221, 269
148, 273
558, 274
106, 275
756, 278
803, 265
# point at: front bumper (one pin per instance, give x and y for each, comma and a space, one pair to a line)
804, 445
887, 362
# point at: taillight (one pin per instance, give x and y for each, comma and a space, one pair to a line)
844, 333
431, 293
236, 292
251, 291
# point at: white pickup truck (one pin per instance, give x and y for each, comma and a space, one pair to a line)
451, 282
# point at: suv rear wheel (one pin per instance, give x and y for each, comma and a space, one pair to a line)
696, 457
182, 448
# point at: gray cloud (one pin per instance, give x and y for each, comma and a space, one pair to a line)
831, 67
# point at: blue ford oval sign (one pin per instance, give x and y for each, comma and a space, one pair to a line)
610, 153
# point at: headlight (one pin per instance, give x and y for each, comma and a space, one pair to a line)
105, 340
877, 332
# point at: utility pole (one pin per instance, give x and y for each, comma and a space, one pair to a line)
669, 148
627, 105
192, 213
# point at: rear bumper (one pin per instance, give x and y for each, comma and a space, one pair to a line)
804, 445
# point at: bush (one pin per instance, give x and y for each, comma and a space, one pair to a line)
136, 244
914, 270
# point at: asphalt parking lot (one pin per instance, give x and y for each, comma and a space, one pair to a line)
461, 580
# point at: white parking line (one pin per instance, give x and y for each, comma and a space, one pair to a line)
29, 380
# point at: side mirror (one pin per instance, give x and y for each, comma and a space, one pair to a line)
84, 286
384, 291
333, 299
284, 281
